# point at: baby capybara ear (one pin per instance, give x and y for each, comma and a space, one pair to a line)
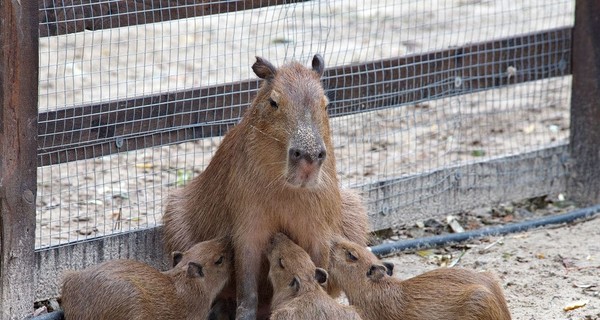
176, 256
390, 268
318, 64
194, 270
264, 69
295, 284
321, 276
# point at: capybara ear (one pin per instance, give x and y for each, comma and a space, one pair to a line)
176, 256
321, 276
318, 64
390, 268
264, 69
194, 270
295, 284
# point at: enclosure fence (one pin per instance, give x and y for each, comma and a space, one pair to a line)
437, 107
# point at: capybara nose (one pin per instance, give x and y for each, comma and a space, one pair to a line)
376, 271
317, 155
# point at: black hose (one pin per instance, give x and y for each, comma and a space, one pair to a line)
428, 242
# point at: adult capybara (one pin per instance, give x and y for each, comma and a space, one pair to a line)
274, 171
297, 285
445, 293
131, 290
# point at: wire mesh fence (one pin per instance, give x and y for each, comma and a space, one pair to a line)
131, 108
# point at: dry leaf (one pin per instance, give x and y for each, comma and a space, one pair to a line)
584, 286
540, 256
87, 231
529, 129
576, 305
425, 253
144, 165
454, 224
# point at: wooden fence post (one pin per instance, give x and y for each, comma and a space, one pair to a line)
584, 184
18, 150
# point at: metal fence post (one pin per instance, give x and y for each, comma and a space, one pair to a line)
18, 154
584, 184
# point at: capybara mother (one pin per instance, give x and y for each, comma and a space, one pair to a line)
274, 171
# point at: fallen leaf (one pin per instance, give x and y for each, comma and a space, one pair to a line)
183, 177
478, 153
144, 165
454, 224
95, 202
425, 253
87, 231
508, 218
584, 286
540, 256
576, 305
457, 260
529, 129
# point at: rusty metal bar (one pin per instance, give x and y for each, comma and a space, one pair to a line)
84, 132
584, 143
18, 141
69, 16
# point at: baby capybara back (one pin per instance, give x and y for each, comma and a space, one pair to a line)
274, 171
129, 289
297, 285
445, 293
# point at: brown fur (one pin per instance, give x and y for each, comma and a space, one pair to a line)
129, 289
445, 293
297, 282
251, 190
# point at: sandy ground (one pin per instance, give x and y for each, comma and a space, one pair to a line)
122, 192
542, 271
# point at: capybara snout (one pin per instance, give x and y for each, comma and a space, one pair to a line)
311, 154
294, 113
376, 271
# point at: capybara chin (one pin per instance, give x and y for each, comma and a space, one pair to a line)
445, 293
131, 290
297, 285
274, 171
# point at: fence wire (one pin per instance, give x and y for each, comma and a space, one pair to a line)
102, 171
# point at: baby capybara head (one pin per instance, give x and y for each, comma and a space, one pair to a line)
290, 115
206, 264
352, 263
291, 269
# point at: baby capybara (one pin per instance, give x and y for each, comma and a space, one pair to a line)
130, 290
274, 171
297, 285
445, 293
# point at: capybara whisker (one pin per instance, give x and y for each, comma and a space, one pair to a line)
270, 136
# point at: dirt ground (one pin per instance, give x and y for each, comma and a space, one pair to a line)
542, 271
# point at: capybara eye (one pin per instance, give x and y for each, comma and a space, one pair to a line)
218, 262
273, 103
281, 263
351, 257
